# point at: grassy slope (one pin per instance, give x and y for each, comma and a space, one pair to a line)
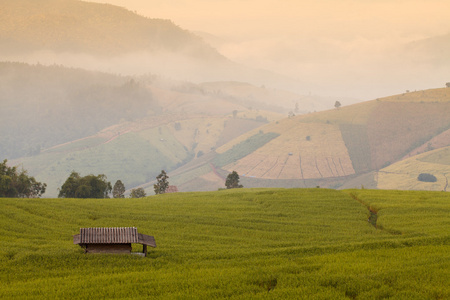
403, 175
240, 244
441, 156
134, 158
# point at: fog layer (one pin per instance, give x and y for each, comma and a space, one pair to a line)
351, 47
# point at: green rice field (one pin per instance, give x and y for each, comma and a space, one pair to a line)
234, 244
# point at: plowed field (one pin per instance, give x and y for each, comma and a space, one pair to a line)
303, 151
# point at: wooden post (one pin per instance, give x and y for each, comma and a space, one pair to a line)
144, 250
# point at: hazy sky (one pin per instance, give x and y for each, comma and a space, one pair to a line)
314, 40
259, 18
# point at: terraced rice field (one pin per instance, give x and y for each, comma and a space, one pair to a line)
235, 244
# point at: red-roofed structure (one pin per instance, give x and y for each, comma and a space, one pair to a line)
172, 189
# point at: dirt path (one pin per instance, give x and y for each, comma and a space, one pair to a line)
213, 168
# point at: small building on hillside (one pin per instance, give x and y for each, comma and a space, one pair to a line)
112, 239
172, 189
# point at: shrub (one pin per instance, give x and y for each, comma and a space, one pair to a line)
426, 177
138, 193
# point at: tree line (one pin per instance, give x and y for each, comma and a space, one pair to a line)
18, 184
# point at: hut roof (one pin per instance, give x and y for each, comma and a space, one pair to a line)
113, 235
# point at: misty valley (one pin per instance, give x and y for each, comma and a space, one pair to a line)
189, 109
324, 177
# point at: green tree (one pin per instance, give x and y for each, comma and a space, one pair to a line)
15, 184
118, 189
232, 181
161, 183
89, 186
337, 104
138, 193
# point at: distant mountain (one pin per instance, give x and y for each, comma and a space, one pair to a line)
101, 29
434, 50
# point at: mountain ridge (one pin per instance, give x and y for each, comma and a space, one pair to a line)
101, 29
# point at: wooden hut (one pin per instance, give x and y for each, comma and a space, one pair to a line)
112, 239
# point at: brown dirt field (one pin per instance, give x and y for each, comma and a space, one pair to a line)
292, 156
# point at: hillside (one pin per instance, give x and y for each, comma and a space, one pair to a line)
334, 146
42, 107
199, 134
135, 152
56, 119
239, 244
339, 148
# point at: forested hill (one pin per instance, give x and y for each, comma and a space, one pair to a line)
46, 106
83, 27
